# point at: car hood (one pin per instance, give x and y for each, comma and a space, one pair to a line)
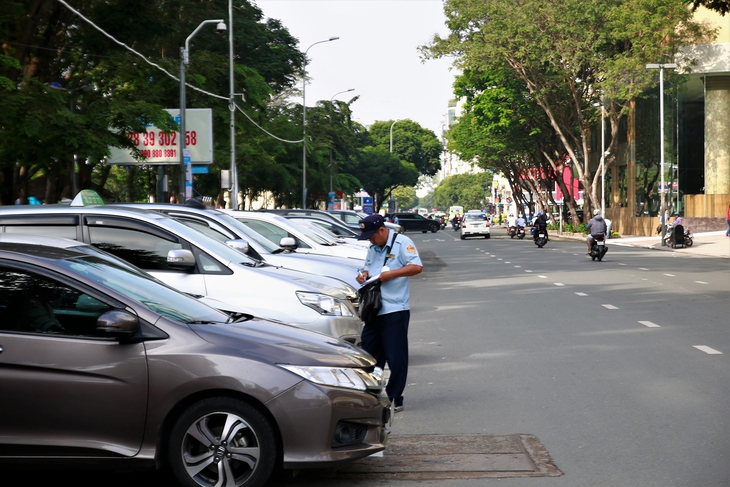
326, 285
275, 343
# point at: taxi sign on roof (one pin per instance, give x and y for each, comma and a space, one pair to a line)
87, 197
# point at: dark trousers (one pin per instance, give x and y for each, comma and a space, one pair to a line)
386, 339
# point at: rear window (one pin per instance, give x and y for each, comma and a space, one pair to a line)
472, 216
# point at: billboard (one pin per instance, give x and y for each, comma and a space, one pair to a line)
161, 148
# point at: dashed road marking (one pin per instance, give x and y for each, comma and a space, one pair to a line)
559, 284
701, 282
500, 258
649, 324
621, 263
508, 262
581, 294
643, 269
518, 266
609, 306
542, 277
670, 275
707, 350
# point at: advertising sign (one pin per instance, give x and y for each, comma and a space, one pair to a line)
367, 205
161, 148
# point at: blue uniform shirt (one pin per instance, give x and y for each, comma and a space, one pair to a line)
396, 291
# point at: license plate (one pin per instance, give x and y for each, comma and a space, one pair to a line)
601, 243
541, 235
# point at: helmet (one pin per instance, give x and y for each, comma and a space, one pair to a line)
540, 214
596, 212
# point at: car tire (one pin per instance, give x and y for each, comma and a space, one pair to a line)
463, 237
200, 452
489, 235
434, 228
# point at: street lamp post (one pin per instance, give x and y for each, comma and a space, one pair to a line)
391, 135
232, 109
603, 157
661, 67
304, 122
331, 100
184, 59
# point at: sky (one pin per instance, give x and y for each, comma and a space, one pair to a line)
376, 54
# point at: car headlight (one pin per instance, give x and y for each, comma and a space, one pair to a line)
323, 304
347, 378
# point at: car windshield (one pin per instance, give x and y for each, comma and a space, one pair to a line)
475, 216
251, 234
142, 288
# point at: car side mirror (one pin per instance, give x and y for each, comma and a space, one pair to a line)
181, 258
118, 324
239, 244
288, 243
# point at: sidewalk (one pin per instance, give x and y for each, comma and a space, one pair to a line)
707, 244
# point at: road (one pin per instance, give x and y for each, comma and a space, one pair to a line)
598, 360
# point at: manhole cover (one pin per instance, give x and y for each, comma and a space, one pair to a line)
434, 457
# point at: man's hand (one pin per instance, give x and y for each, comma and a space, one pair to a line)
362, 276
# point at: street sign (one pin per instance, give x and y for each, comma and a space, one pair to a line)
200, 169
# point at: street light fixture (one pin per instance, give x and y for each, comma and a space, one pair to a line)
391, 135
661, 68
184, 59
331, 100
304, 122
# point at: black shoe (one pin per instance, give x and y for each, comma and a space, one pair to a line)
398, 409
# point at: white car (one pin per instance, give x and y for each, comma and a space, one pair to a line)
196, 264
475, 225
275, 228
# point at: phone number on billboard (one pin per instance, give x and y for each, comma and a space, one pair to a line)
151, 139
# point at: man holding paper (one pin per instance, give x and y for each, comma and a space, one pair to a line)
393, 258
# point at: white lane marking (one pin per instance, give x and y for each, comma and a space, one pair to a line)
499, 258
620, 263
542, 277
559, 284
507, 262
700, 282
649, 324
528, 271
581, 294
518, 266
707, 350
609, 306
670, 275
643, 269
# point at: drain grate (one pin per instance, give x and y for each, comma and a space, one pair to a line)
434, 457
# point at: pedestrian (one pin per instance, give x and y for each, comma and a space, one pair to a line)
394, 258
727, 233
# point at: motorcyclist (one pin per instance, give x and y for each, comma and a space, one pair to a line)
539, 226
521, 222
597, 226
511, 223
456, 221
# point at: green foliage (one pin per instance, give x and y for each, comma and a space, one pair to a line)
411, 143
467, 190
720, 6
406, 196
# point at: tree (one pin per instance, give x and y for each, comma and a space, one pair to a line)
467, 190
411, 143
380, 172
721, 6
48, 43
570, 54
406, 196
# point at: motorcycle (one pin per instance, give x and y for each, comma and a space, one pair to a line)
540, 237
512, 231
456, 224
598, 248
520, 232
669, 237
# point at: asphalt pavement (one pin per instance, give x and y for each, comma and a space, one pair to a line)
541, 368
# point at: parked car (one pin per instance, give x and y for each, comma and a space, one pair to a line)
333, 230
275, 228
103, 364
196, 264
475, 225
352, 219
226, 229
414, 221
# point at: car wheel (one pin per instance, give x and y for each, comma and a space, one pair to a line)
489, 235
434, 228
463, 237
222, 441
